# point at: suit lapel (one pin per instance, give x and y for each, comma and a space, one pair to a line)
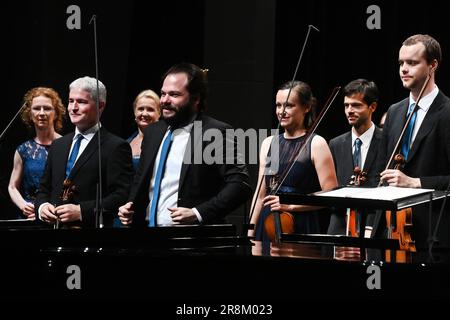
191, 149
428, 123
347, 157
373, 149
395, 125
148, 154
400, 118
90, 149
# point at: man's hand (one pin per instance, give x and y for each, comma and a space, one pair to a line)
182, 215
48, 213
69, 212
126, 213
396, 178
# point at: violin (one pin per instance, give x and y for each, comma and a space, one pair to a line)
357, 179
400, 225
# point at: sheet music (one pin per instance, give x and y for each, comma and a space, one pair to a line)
16, 220
377, 193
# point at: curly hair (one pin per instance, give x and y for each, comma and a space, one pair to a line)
50, 93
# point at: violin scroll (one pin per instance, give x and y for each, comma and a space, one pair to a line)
359, 177
399, 161
67, 191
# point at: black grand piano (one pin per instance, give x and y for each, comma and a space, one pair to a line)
202, 264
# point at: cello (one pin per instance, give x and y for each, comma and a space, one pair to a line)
400, 225
357, 179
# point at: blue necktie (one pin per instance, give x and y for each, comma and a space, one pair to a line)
73, 155
357, 153
409, 131
158, 178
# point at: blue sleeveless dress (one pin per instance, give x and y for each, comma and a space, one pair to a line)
302, 178
34, 158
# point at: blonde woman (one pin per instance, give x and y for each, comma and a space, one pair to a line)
146, 111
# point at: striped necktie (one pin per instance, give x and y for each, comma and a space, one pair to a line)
357, 153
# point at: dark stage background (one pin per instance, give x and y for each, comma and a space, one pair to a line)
250, 47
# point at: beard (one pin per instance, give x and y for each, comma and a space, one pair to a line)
358, 122
183, 114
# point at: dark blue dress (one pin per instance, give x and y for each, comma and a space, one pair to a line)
302, 178
34, 157
136, 158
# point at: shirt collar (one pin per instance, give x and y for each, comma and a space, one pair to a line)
89, 132
366, 137
426, 101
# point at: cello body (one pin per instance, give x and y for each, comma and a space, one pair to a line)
400, 224
357, 179
401, 228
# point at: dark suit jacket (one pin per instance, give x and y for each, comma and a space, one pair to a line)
428, 159
117, 175
341, 150
214, 189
